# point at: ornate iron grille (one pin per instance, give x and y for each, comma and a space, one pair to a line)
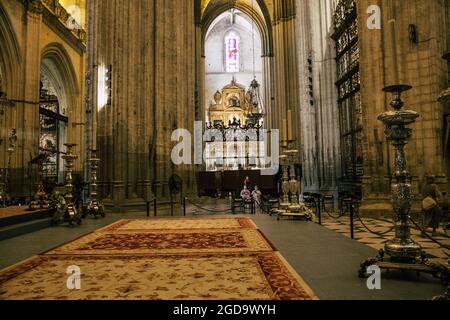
349, 98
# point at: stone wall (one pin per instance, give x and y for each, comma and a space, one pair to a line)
419, 65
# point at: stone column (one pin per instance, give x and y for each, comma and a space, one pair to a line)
151, 50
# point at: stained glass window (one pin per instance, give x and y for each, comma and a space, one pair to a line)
232, 53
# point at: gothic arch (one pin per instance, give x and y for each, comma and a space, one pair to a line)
263, 23
10, 56
57, 66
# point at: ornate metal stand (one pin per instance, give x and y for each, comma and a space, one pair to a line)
291, 207
41, 200
95, 208
71, 215
285, 187
404, 253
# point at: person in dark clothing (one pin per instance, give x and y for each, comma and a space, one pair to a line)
432, 217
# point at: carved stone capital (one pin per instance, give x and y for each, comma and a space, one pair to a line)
33, 6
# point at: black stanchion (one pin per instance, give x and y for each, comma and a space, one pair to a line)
350, 204
184, 206
319, 211
352, 222
155, 207
148, 209
317, 201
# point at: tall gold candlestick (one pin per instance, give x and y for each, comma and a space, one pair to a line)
290, 127
283, 130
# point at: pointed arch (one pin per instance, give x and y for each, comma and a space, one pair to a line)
262, 22
10, 55
57, 66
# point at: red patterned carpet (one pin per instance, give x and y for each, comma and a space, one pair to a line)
181, 259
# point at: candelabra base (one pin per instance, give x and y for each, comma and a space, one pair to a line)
420, 265
72, 216
295, 211
40, 200
444, 297
285, 205
403, 251
94, 209
66, 213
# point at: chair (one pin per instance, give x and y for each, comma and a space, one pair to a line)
268, 204
328, 200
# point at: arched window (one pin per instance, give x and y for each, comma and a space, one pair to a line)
232, 52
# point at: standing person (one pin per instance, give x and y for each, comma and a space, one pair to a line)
430, 204
256, 194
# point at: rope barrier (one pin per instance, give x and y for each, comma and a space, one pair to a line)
371, 231
428, 236
335, 217
205, 209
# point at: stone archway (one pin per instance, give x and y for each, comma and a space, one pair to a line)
206, 13
58, 68
10, 57
58, 98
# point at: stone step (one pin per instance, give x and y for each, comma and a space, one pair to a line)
25, 217
19, 229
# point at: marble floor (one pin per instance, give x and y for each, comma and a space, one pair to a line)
377, 241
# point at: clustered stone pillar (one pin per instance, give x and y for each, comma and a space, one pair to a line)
284, 76
151, 47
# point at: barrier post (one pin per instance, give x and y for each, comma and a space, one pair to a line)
319, 209
155, 207
148, 209
184, 206
352, 223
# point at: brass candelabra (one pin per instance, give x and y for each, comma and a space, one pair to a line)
71, 214
95, 208
40, 198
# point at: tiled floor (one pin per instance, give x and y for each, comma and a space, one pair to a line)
377, 241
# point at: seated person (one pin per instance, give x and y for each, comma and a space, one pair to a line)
245, 194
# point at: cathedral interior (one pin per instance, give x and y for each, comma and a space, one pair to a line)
218, 149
